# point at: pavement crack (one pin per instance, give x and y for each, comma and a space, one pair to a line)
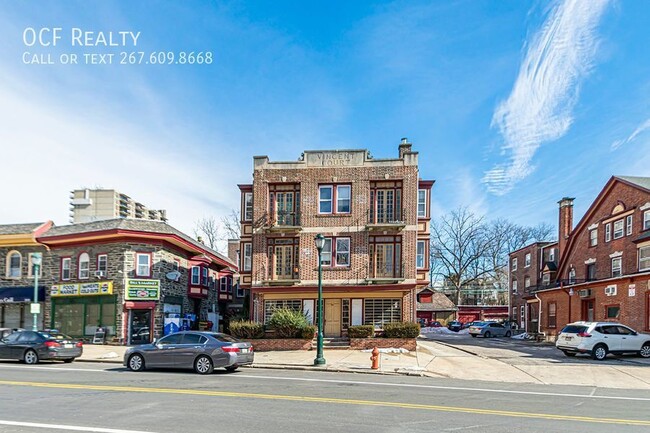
630, 374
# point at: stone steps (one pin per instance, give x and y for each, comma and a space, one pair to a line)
332, 343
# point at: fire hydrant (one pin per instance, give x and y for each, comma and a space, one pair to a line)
375, 359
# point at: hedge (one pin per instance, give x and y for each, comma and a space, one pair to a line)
401, 330
246, 329
361, 331
288, 323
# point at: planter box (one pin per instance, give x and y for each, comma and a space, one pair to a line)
274, 344
409, 344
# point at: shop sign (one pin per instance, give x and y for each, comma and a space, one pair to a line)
142, 290
82, 289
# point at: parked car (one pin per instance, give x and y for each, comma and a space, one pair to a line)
600, 338
468, 324
435, 324
454, 325
31, 346
4, 332
489, 329
201, 351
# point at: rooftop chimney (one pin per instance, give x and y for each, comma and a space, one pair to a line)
565, 225
404, 147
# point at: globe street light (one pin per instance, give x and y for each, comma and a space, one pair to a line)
320, 243
35, 307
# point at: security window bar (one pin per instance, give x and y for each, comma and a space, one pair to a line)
378, 312
271, 306
617, 267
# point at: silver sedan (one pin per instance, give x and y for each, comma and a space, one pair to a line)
201, 351
489, 329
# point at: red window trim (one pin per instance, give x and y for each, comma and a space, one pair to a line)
548, 314
335, 205
69, 270
142, 253
191, 279
333, 263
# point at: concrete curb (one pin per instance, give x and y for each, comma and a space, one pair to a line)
458, 348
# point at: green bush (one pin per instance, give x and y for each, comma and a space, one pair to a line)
361, 331
246, 329
308, 332
401, 330
288, 323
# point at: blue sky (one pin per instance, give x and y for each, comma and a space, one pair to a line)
511, 104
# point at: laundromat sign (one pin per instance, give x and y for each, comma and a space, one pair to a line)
83, 289
142, 290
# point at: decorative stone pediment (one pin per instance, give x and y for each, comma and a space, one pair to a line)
593, 226
590, 261
616, 254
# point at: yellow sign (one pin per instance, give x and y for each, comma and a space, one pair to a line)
82, 289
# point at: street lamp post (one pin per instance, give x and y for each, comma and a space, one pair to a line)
35, 307
320, 243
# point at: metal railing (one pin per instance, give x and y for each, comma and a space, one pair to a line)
386, 216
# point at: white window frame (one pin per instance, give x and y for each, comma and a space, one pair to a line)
140, 266
330, 252
422, 203
349, 199
619, 229
419, 255
19, 268
617, 264
247, 257
593, 237
628, 225
514, 287
526, 282
99, 262
514, 264
205, 277
195, 276
646, 220
326, 200
326, 253
644, 258
522, 315
608, 232
84, 271
546, 279
248, 206
551, 255
65, 260
527, 260
343, 253
572, 275
176, 265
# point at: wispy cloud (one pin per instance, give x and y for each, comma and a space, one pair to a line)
638, 131
540, 106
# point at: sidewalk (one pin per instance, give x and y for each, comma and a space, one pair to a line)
434, 359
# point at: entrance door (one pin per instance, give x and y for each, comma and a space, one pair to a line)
332, 318
139, 326
587, 312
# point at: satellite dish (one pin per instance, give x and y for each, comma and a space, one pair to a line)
173, 275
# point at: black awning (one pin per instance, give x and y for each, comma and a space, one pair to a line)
9, 295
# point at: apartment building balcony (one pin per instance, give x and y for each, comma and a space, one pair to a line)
283, 222
385, 274
283, 276
385, 219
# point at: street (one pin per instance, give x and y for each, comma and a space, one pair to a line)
108, 398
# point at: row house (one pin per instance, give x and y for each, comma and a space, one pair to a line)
137, 279
603, 272
18, 245
374, 215
532, 268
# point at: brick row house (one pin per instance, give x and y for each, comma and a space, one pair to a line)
374, 215
603, 273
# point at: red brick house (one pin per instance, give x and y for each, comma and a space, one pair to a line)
432, 306
604, 268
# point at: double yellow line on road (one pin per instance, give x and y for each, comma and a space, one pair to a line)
330, 400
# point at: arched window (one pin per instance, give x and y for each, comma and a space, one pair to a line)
84, 270
14, 263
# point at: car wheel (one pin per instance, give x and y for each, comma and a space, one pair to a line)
599, 352
232, 368
30, 357
645, 351
203, 365
569, 354
136, 362
487, 334
69, 360
508, 334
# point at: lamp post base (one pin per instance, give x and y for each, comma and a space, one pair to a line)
320, 361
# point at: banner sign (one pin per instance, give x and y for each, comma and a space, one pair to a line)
142, 290
82, 289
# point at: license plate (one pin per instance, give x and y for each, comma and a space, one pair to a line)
568, 338
244, 351
68, 346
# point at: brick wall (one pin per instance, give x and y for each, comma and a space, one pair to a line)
383, 343
280, 344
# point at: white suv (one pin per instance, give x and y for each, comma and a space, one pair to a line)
600, 338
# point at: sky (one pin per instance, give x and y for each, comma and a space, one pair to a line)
511, 104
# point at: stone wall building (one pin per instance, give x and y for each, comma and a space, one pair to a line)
374, 214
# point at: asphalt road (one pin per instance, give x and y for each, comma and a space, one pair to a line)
108, 398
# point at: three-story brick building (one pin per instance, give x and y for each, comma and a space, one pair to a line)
374, 214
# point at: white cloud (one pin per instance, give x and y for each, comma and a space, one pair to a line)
540, 106
638, 131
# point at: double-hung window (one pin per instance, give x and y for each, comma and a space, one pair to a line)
84, 266
14, 265
65, 268
223, 284
644, 258
646, 220
196, 275
617, 269
102, 263
552, 314
204, 276
527, 260
248, 253
334, 199
618, 229
526, 282
608, 232
514, 264
514, 286
593, 237
628, 225
572, 275
143, 268
551, 255
248, 206
339, 256
422, 203
420, 254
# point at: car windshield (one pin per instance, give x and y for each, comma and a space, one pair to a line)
479, 323
574, 329
55, 336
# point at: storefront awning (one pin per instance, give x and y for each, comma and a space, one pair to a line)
10, 295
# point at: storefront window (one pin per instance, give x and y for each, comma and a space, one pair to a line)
379, 311
80, 316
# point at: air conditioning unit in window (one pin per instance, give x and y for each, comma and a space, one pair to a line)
100, 274
610, 290
584, 293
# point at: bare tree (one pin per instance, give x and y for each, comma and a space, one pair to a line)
208, 229
231, 225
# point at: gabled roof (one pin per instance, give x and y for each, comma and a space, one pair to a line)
126, 226
641, 183
440, 302
19, 229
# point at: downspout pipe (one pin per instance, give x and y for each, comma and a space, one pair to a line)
539, 317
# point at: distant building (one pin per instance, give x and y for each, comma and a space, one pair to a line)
434, 306
88, 205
